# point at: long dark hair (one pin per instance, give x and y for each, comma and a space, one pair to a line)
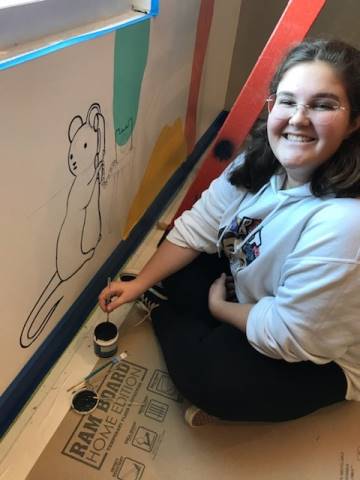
340, 174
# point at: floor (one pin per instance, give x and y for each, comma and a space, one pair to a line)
322, 446
28, 436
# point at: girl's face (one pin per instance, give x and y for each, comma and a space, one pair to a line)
299, 142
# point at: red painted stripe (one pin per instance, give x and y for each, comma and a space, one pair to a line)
292, 27
202, 35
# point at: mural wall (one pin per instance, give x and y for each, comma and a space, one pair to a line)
90, 134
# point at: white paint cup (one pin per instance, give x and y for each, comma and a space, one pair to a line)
105, 339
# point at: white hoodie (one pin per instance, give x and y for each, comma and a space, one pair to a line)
296, 257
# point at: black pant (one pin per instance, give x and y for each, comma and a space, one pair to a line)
213, 365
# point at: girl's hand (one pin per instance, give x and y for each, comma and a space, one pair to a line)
217, 295
230, 289
220, 307
118, 293
217, 291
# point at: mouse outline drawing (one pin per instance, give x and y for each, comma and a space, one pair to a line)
80, 230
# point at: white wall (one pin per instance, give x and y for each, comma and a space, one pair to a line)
39, 99
218, 61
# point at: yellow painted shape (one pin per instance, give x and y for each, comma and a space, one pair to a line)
169, 152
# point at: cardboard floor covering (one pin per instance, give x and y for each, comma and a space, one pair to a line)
140, 433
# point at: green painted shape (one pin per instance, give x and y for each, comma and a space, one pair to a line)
131, 52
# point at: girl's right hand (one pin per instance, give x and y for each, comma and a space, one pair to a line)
118, 293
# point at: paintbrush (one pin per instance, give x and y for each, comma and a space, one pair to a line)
113, 361
108, 300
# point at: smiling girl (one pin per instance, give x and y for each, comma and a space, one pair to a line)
270, 331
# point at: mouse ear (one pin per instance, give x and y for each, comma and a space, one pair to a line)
93, 111
95, 124
99, 127
75, 125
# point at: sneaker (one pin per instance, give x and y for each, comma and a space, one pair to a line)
195, 417
148, 302
150, 299
157, 290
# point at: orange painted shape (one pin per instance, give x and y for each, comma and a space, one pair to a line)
168, 154
202, 36
292, 27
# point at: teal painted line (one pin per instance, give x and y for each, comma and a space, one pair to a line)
131, 53
42, 51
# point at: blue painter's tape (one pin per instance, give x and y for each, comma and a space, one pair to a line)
154, 8
42, 51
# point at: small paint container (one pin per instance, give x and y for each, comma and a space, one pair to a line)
85, 401
105, 339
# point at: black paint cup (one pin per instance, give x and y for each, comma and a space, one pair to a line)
105, 339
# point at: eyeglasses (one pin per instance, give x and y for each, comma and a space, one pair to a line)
321, 111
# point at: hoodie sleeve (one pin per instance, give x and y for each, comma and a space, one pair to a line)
315, 312
198, 228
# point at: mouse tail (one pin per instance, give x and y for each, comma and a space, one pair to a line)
41, 313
